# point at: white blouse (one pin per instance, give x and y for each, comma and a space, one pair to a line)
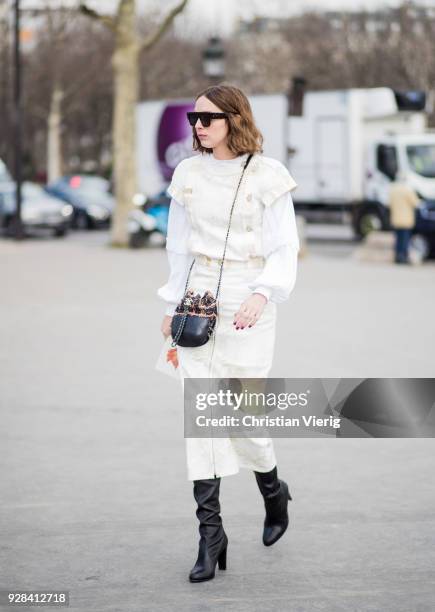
280, 249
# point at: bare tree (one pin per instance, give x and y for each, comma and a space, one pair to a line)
57, 35
125, 61
333, 50
58, 69
391, 47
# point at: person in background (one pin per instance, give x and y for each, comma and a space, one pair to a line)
402, 200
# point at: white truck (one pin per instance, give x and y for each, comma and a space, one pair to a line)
346, 146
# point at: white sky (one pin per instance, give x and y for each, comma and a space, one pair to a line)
218, 16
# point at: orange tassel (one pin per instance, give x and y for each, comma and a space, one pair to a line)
172, 357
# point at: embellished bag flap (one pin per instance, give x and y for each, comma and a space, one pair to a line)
194, 304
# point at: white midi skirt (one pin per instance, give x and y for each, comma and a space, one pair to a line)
243, 353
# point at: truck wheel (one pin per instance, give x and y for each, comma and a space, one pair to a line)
367, 220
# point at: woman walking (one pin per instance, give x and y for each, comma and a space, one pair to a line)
259, 271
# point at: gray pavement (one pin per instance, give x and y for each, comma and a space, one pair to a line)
95, 498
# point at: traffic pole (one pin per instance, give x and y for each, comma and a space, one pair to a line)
18, 224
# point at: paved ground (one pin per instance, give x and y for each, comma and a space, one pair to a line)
94, 491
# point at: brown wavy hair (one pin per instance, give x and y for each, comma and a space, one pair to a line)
243, 135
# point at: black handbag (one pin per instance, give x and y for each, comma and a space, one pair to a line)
195, 317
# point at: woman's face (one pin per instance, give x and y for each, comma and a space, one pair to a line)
212, 136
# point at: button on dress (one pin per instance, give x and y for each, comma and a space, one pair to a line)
261, 256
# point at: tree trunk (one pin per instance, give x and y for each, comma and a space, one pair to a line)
125, 62
126, 90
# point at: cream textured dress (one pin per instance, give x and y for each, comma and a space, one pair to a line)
261, 257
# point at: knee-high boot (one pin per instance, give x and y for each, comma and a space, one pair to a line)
213, 542
276, 495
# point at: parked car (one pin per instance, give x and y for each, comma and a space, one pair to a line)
39, 210
148, 222
423, 235
89, 196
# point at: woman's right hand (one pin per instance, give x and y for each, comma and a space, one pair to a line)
166, 326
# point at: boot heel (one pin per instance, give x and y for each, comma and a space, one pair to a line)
222, 559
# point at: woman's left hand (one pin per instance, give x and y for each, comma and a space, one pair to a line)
250, 311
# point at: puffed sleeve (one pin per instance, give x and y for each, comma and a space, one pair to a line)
179, 257
279, 225
280, 248
278, 277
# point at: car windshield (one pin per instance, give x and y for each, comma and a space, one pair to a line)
421, 159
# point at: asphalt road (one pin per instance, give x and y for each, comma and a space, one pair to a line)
95, 498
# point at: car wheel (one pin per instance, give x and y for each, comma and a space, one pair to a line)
137, 240
81, 221
156, 239
419, 247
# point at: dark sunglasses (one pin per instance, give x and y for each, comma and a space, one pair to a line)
205, 117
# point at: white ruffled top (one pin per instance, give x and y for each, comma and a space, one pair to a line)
280, 246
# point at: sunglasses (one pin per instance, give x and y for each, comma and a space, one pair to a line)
205, 117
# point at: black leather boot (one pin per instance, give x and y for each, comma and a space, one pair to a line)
276, 495
213, 542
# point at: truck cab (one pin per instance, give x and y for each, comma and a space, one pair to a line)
414, 156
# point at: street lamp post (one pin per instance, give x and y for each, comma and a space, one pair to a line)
213, 60
18, 225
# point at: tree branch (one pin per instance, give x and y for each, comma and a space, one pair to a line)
107, 20
150, 40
